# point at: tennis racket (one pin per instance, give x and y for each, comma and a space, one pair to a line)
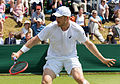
18, 67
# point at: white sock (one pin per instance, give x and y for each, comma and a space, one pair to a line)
11, 9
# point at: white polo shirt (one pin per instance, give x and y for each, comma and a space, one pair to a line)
62, 43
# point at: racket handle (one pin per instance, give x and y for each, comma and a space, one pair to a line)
14, 58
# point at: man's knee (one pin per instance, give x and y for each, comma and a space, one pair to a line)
80, 81
78, 75
48, 76
47, 79
83, 82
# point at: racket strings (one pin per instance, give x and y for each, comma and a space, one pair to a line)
18, 67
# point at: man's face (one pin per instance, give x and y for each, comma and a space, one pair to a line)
110, 36
61, 21
38, 10
117, 22
103, 2
27, 25
39, 23
94, 15
11, 34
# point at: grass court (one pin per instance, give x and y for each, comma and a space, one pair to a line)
97, 78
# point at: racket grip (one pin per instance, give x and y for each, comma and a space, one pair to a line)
14, 58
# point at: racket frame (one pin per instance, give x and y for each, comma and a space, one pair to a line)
20, 70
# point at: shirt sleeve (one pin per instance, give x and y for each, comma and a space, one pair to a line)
46, 32
81, 37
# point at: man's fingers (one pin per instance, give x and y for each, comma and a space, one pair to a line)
110, 64
113, 62
113, 59
13, 55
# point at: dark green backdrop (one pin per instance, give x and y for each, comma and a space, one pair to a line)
36, 58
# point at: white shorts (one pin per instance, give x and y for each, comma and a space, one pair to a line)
56, 65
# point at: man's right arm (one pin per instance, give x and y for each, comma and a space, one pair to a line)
35, 40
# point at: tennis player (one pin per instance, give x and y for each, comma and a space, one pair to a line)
62, 52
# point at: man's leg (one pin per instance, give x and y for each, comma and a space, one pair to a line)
78, 76
48, 76
99, 36
107, 14
92, 29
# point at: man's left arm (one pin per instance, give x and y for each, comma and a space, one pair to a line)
92, 48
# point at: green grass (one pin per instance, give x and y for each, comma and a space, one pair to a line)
64, 79
104, 79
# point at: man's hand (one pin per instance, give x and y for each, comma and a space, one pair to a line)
109, 62
14, 55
